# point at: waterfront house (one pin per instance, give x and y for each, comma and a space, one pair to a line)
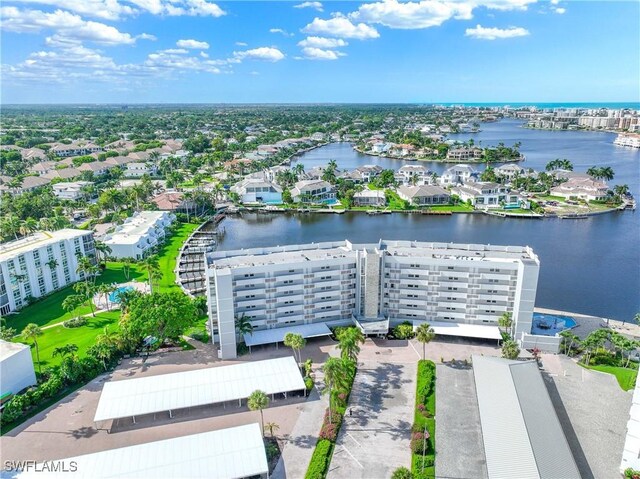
362, 174
458, 174
370, 198
586, 189
424, 195
313, 191
413, 175
267, 150
256, 190
464, 154
402, 149
318, 136
172, 201
380, 147
485, 194
509, 171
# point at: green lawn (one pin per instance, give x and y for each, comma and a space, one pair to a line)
49, 310
626, 377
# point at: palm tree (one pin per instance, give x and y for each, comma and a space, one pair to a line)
271, 426
103, 352
28, 226
510, 349
52, 264
152, 267
71, 302
295, 342
32, 331
243, 325
257, 401
334, 377
424, 334
607, 173
126, 267
10, 226
86, 268
103, 250
505, 321
349, 343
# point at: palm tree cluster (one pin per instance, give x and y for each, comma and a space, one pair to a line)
603, 173
603, 344
559, 164
12, 227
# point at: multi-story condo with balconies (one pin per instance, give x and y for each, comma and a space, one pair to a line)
370, 285
39, 264
138, 234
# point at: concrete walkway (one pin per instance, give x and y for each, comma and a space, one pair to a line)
300, 444
375, 439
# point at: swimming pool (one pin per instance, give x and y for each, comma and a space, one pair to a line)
114, 296
551, 324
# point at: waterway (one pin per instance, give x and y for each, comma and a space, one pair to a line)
589, 266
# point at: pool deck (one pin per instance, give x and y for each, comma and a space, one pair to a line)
587, 323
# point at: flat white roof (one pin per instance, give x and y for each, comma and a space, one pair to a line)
225, 454
38, 240
276, 335
166, 392
443, 328
8, 349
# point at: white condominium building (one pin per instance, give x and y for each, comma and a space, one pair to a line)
138, 234
39, 264
394, 281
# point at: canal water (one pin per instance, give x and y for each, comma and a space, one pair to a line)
589, 266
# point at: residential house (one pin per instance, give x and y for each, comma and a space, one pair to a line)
256, 190
172, 201
137, 170
139, 155
362, 174
266, 150
414, 175
75, 148
509, 171
71, 190
43, 167
370, 198
485, 194
63, 173
33, 154
458, 174
586, 189
424, 195
380, 147
313, 191
98, 168
120, 161
464, 154
318, 136
402, 149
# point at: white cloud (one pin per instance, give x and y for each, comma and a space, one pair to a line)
241, 44
65, 24
174, 51
322, 42
280, 31
116, 9
313, 53
146, 36
555, 2
192, 44
560, 10
409, 15
340, 26
315, 5
204, 55
269, 54
484, 33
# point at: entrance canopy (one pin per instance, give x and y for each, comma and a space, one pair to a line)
225, 454
465, 330
372, 326
167, 392
276, 335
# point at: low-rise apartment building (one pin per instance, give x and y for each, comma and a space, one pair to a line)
138, 234
75, 148
464, 154
38, 264
339, 283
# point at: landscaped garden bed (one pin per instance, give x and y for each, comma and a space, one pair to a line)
424, 423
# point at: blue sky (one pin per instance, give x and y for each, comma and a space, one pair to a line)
174, 51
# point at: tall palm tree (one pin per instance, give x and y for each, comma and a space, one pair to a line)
71, 303
86, 268
424, 334
349, 343
10, 226
28, 226
505, 321
32, 331
243, 325
335, 376
295, 342
152, 267
103, 250
257, 401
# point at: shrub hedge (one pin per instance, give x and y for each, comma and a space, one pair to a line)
319, 465
424, 424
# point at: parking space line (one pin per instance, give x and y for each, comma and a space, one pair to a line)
352, 456
353, 439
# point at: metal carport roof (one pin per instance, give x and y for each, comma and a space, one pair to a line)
444, 328
225, 454
167, 392
522, 435
276, 335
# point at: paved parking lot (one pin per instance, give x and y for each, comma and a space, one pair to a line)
593, 411
459, 446
375, 439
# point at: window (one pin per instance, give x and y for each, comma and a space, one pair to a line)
248, 275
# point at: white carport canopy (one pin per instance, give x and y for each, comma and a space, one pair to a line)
465, 330
167, 392
276, 335
225, 454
